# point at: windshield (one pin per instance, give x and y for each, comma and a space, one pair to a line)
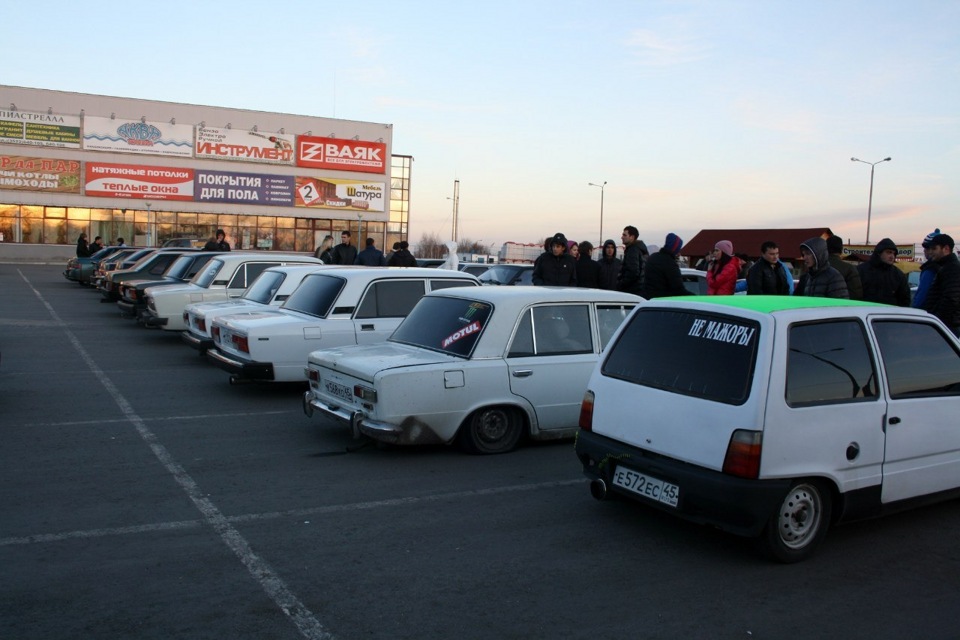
692, 353
500, 274
315, 295
264, 287
448, 325
206, 275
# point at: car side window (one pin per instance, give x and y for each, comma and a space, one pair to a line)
436, 285
562, 329
247, 273
390, 299
829, 363
522, 344
526, 277
609, 319
918, 358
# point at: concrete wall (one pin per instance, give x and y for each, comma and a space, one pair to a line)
37, 253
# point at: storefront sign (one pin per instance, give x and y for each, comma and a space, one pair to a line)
126, 136
904, 252
349, 195
40, 129
245, 146
137, 181
341, 155
243, 188
39, 174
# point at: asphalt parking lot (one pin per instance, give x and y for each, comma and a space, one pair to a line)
142, 496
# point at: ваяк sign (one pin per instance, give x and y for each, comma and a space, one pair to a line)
341, 155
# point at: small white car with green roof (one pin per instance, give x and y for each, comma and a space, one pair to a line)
775, 417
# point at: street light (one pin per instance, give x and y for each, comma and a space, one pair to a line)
601, 186
870, 201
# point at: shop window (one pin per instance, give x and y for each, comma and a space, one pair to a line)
74, 213
55, 231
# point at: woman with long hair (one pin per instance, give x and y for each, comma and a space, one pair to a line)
723, 270
323, 251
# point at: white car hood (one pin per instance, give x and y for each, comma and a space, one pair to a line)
265, 319
365, 361
180, 290
201, 308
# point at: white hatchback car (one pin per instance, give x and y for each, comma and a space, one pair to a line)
223, 277
333, 307
270, 289
486, 365
775, 417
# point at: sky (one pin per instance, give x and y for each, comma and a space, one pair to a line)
696, 115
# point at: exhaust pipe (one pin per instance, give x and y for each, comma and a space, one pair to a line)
598, 489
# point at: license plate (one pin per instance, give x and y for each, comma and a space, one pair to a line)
339, 390
646, 486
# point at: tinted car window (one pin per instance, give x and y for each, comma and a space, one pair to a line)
609, 319
829, 362
206, 275
390, 299
247, 273
918, 359
264, 287
449, 325
499, 274
315, 295
686, 352
522, 344
562, 329
436, 285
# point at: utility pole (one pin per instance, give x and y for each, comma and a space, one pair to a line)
454, 228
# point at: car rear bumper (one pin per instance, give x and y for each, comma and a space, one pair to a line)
738, 505
343, 415
127, 309
195, 341
244, 370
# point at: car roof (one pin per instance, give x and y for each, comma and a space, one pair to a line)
795, 305
522, 296
394, 272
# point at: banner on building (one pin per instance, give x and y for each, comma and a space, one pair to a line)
126, 136
49, 175
245, 146
349, 195
40, 129
243, 188
137, 181
904, 252
341, 155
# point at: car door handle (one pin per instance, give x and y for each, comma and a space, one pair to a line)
367, 327
894, 420
522, 373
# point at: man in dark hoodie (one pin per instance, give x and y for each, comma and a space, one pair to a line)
661, 273
556, 268
609, 266
849, 271
882, 281
588, 270
821, 280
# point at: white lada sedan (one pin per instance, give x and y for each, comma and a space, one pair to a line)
333, 307
270, 289
224, 277
484, 366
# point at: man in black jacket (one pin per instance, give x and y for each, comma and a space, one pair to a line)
344, 253
218, 242
661, 273
631, 270
609, 266
882, 281
588, 269
555, 268
943, 300
767, 276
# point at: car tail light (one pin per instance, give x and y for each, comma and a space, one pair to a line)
743, 454
313, 375
365, 393
215, 333
241, 343
201, 324
132, 294
586, 411
186, 318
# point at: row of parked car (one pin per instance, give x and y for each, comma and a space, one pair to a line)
769, 417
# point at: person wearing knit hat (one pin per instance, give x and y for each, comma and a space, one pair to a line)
928, 271
573, 249
724, 270
661, 273
555, 267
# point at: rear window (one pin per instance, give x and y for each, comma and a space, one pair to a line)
448, 325
687, 352
264, 287
315, 295
206, 275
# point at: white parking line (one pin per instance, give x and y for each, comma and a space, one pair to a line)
289, 513
206, 416
259, 569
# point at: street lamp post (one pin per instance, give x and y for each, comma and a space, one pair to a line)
601, 186
870, 200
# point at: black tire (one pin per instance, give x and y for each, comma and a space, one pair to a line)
491, 430
796, 529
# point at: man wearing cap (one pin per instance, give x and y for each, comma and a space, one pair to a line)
218, 242
882, 281
661, 273
555, 268
928, 271
849, 271
943, 299
768, 276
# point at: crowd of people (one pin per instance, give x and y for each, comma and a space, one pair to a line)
656, 274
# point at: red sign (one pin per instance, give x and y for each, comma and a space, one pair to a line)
341, 155
138, 181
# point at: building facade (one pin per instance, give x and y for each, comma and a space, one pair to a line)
150, 171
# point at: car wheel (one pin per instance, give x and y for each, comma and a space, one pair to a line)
491, 430
800, 524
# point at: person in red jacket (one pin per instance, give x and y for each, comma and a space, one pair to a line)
723, 270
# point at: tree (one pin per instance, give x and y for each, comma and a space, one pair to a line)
431, 246
467, 245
